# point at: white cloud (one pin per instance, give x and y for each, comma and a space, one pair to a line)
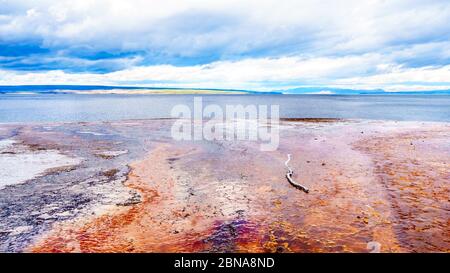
403, 79
254, 44
189, 27
255, 74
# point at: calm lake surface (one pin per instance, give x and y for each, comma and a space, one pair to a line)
65, 107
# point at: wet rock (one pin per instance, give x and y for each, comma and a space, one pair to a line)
135, 199
46, 216
110, 154
110, 173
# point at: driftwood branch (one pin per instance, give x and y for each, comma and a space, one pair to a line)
290, 179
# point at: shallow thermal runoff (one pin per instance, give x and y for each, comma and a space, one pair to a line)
128, 186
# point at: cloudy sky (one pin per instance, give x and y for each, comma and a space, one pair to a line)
396, 45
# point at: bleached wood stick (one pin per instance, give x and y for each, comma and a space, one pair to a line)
289, 177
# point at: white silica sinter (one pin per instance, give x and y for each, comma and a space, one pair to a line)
17, 165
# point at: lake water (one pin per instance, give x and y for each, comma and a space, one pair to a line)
65, 107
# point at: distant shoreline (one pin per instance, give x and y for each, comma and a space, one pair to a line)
119, 90
151, 92
139, 90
